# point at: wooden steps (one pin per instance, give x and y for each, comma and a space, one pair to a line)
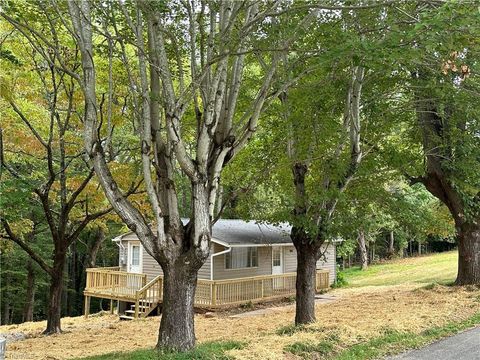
146, 300
143, 310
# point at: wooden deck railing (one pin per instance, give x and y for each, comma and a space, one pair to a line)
118, 285
255, 288
112, 283
148, 297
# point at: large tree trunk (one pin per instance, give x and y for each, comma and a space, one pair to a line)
30, 296
55, 295
307, 256
468, 254
362, 247
437, 129
177, 324
391, 245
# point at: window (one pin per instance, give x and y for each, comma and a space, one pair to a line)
239, 258
135, 255
276, 256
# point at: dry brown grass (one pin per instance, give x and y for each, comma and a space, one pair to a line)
359, 314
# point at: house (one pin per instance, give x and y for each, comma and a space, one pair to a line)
248, 262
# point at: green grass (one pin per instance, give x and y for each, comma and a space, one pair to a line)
392, 342
395, 342
204, 351
305, 350
438, 268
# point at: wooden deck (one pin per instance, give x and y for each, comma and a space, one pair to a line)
113, 284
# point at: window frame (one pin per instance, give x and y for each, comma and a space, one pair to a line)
252, 257
132, 259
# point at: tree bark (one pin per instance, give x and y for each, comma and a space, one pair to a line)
6, 301
30, 296
391, 245
93, 249
55, 295
362, 247
437, 136
6, 312
307, 256
468, 254
177, 326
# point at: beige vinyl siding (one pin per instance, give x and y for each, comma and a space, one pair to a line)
122, 253
204, 272
290, 260
151, 268
330, 261
264, 265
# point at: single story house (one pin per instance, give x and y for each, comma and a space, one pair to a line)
248, 261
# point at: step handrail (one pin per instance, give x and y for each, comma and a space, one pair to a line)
140, 294
150, 283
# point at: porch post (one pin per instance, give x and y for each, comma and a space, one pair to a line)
214, 294
111, 306
87, 306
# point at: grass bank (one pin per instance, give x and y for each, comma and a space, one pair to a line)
206, 351
390, 343
437, 268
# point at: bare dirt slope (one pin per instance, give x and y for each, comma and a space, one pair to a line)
357, 315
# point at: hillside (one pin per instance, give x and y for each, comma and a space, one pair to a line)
436, 268
360, 313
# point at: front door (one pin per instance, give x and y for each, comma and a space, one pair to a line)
277, 260
134, 258
277, 267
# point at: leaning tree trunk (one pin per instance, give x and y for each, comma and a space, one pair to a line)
468, 254
362, 247
30, 296
307, 256
177, 324
55, 295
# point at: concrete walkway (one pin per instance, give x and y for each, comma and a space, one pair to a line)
463, 346
319, 299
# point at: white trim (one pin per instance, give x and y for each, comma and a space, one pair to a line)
122, 250
220, 242
216, 254
282, 260
242, 268
140, 257
258, 245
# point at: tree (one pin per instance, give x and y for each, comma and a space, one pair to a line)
46, 179
194, 123
442, 54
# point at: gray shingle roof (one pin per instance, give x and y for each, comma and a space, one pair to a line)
240, 232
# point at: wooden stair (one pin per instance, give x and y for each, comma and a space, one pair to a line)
147, 300
143, 311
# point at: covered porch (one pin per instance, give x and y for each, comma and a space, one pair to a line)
111, 283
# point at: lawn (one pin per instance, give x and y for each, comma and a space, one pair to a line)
366, 321
437, 268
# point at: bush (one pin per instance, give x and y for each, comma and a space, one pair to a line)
340, 281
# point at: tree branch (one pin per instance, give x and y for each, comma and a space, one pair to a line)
11, 236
